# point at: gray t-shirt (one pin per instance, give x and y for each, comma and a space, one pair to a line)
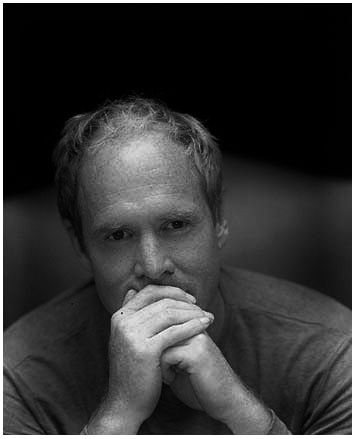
290, 345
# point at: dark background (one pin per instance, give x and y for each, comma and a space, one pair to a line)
272, 82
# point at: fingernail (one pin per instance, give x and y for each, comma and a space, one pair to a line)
209, 315
205, 320
131, 291
191, 298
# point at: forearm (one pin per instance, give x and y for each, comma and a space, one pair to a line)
249, 415
262, 423
108, 428
112, 420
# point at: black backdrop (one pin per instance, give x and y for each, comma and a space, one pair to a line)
272, 82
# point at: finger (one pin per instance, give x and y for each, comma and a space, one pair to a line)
129, 295
160, 321
164, 307
150, 311
159, 316
154, 293
178, 333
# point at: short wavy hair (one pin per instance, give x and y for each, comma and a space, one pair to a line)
124, 119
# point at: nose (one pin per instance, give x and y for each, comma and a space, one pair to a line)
152, 259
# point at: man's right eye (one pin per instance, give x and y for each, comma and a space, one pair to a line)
118, 235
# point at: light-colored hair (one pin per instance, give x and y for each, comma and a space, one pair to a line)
124, 119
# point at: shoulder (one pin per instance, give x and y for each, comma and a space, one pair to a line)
56, 321
281, 299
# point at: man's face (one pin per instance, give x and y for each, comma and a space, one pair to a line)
146, 221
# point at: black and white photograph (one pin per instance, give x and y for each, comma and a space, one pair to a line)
177, 218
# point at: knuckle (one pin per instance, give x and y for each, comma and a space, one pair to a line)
116, 320
197, 353
197, 307
167, 303
117, 314
118, 324
142, 350
168, 312
200, 340
138, 349
172, 332
170, 315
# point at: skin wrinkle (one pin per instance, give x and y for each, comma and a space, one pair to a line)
142, 200
137, 184
103, 218
103, 173
115, 223
104, 163
119, 122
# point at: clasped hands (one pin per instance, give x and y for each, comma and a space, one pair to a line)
159, 334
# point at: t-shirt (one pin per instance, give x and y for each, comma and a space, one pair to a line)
289, 344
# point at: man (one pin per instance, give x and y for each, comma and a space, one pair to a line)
165, 340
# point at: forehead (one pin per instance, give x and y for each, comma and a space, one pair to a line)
142, 168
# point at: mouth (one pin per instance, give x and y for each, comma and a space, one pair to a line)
138, 288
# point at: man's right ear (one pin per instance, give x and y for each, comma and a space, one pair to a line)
84, 260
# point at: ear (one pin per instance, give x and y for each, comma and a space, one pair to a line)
222, 232
80, 252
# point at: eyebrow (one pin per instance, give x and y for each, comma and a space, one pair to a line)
175, 213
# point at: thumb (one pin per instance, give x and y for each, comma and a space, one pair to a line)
129, 295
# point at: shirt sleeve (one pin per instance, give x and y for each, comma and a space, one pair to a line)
19, 416
330, 406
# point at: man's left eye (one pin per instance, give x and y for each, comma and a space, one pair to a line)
176, 225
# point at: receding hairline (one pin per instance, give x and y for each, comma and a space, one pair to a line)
103, 138
115, 146
124, 117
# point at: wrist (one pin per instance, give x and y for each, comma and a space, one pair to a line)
110, 419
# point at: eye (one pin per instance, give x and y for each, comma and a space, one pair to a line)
118, 235
176, 225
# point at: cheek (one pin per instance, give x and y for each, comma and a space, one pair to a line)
200, 253
111, 272
200, 256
